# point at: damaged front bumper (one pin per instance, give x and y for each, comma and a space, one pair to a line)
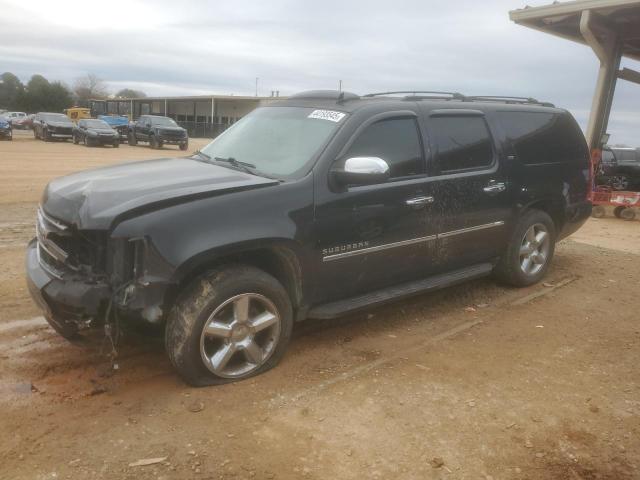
69, 304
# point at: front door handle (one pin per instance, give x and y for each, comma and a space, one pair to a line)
419, 201
494, 187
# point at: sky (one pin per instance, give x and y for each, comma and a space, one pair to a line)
195, 47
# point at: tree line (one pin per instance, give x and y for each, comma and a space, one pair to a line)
42, 95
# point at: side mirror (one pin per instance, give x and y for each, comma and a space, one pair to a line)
361, 171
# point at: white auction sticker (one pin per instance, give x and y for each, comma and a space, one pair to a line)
327, 115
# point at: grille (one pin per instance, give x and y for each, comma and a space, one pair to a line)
51, 252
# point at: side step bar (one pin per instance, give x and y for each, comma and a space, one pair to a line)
436, 282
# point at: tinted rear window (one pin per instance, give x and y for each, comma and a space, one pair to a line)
544, 137
461, 143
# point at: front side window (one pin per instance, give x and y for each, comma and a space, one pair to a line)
396, 141
278, 141
461, 143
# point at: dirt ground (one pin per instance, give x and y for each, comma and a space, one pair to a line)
475, 382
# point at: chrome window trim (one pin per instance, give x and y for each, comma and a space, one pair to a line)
412, 241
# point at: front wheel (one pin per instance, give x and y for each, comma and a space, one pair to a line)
230, 324
529, 252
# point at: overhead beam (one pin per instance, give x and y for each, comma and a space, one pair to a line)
629, 75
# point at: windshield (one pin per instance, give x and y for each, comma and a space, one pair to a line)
96, 124
164, 121
56, 117
279, 141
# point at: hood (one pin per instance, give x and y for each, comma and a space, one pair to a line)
102, 130
96, 199
58, 124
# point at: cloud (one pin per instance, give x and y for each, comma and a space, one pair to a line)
200, 47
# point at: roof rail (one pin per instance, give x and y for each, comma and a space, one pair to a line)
420, 93
517, 100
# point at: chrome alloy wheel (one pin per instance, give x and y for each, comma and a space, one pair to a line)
534, 249
240, 335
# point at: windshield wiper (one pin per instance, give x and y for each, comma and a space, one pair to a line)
246, 167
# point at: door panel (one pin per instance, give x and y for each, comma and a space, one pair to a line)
374, 236
370, 237
471, 192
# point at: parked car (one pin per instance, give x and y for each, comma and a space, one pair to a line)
620, 168
158, 131
312, 207
6, 132
49, 126
23, 123
14, 118
120, 123
93, 132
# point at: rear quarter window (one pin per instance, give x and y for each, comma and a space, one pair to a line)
543, 137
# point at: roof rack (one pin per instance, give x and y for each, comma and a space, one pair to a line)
428, 94
516, 100
420, 94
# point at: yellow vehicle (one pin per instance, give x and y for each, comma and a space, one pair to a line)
77, 113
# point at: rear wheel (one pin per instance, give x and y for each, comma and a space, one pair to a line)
230, 324
618, 210
529, 252
628, 214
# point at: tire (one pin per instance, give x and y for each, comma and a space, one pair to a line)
628, 214
598, 211
184, 146
620, 182
528, 242
116, 144
132, 139
618, 210
217, 293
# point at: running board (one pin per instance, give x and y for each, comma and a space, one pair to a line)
436, 282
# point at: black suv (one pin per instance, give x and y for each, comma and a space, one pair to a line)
93, 132
49, 126
158, 131
620, 168
313, 207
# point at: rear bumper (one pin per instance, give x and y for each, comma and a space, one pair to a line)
575, 216
67, 304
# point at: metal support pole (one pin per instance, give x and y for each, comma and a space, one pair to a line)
609, 53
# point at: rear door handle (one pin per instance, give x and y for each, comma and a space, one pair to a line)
495, 187
419, 201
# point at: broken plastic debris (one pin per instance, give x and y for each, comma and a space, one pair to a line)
147, 461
